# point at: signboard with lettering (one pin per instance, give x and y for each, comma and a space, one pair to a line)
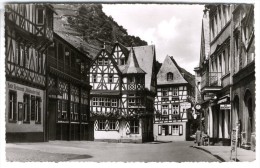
225, 106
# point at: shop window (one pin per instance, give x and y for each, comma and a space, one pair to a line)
64, 109
102, 124
134, 127
26, 108
12, 106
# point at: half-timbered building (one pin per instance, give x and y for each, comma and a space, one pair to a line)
171, 103
68, 91
122, 94
28, 33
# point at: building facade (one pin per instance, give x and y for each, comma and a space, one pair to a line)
122, 95
171, 103
225, 60
67, 92
243, 91
28, 34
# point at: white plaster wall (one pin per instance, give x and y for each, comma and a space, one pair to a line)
19, 126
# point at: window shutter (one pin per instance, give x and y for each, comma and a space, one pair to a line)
170, 130
159, 130
32, 107
15, 106
180, 129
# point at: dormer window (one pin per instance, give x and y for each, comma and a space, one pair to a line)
169, 76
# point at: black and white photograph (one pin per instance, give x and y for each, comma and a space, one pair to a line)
114, 81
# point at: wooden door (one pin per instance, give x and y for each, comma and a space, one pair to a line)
52, 109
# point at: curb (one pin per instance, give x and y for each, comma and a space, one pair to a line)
216, 156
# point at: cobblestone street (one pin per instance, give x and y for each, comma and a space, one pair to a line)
60, 151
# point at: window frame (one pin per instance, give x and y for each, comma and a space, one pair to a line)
134, 126
37, 16
169, 76
101, 125
12, 114
26, 110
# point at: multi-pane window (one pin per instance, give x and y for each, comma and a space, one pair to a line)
26, 108
95, 101
169, 76
134, 127
102, 124
175, 91
12, 105
175, 109
110, 79
64, 109
114, 102
164, 92
107, 102
164, 109
101, 101
175, 130
112, 125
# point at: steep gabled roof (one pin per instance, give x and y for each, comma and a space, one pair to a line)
145, 56
131, 66
109, 56
170, 65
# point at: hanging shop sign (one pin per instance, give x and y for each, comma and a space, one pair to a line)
225, 106
208, 96
185, 105
224, 100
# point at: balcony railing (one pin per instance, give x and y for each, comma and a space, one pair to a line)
211, 79
61, 66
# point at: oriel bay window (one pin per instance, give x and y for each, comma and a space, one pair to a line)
12, 114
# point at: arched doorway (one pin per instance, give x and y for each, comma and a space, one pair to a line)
249, 113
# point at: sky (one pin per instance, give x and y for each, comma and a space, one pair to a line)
175, 30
